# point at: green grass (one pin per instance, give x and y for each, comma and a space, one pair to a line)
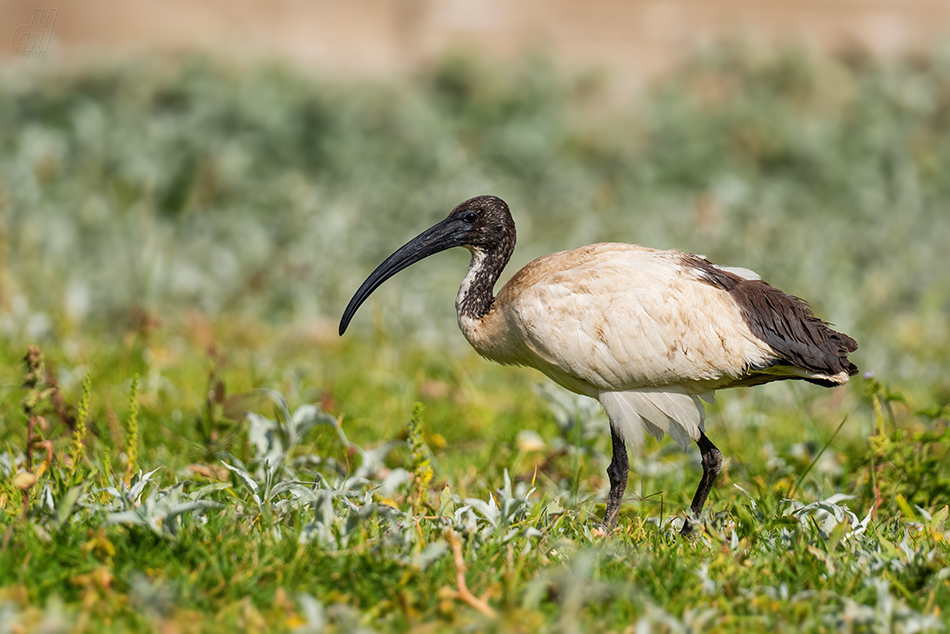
202, 228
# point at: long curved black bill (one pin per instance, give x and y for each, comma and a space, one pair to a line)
445, 235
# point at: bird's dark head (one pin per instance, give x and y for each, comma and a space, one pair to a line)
486, 223
481, 224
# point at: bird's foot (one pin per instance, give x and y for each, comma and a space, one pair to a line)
691, 529
603, 529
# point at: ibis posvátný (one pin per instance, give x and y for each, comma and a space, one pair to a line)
651, 334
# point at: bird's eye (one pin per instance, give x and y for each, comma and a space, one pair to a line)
470, 217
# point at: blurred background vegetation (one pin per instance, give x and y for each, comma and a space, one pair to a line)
141, 193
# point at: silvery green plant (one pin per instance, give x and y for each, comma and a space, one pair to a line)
272, 439
489, 519
336, 503
52, 513
160, 511
828, 514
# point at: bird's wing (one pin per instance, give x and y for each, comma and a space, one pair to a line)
615, 318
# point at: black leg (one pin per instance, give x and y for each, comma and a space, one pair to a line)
712, 464
617, 473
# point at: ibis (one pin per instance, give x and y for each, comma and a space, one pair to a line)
650, 333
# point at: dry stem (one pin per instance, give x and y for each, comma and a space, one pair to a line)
463, 592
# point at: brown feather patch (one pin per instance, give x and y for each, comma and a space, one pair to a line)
785, 322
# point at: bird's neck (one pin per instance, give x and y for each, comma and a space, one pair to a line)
477, 291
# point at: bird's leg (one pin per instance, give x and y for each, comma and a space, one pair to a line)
712, 464
617, 473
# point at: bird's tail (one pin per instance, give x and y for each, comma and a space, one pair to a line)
657, 410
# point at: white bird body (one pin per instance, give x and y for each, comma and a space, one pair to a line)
622, 317
637, 328
649, 333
